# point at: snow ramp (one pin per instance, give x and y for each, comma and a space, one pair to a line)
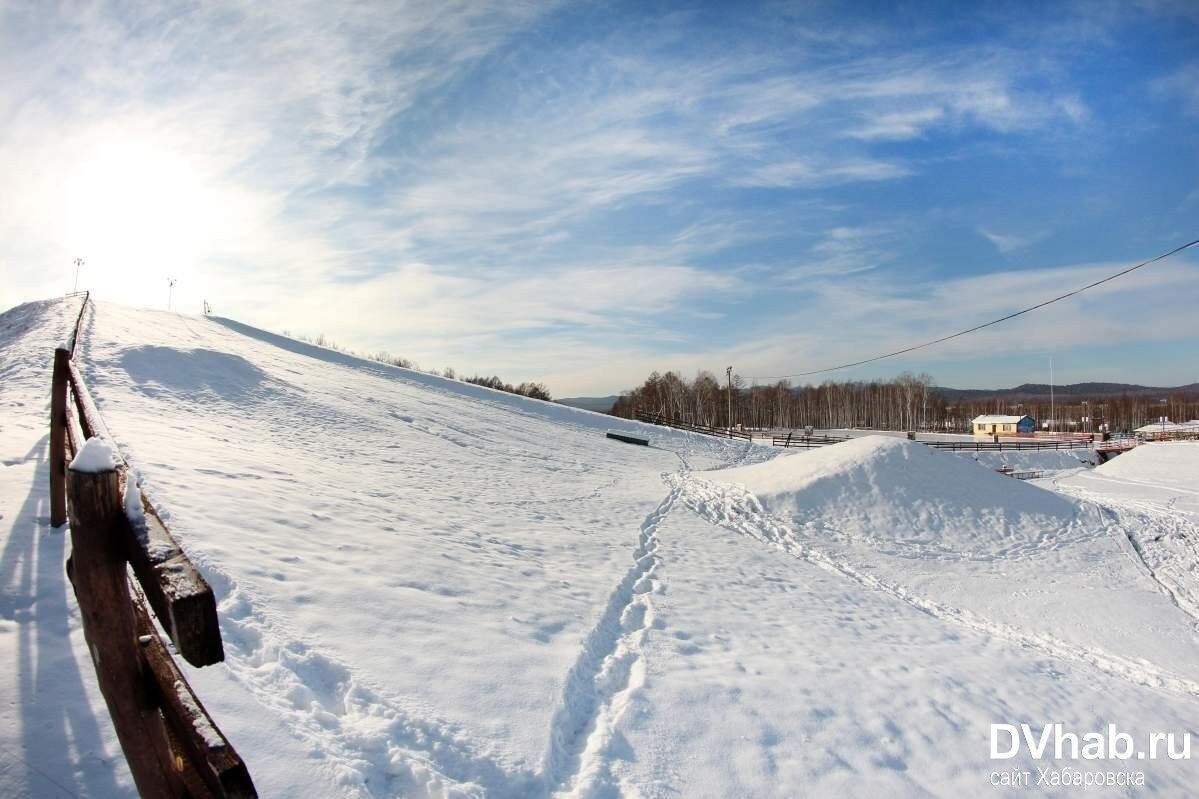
903, 496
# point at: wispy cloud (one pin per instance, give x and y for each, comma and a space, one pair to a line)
442, 175
1181, 86
1010, 242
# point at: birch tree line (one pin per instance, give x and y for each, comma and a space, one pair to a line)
903, 403
906, 402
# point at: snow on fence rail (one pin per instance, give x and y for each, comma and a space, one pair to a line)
170, 742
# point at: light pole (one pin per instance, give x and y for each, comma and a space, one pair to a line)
170, 291
729, 374
1052, 421
78, 263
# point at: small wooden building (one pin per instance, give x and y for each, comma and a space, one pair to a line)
988, 426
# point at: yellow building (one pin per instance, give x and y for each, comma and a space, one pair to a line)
988, 426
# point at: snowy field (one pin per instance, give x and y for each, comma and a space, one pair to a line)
429, 588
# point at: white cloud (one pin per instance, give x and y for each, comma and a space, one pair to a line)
899, 124
803, 172
310, 166
1007, 242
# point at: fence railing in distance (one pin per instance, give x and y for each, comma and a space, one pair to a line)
708, 430
1001, 446
172, 745
806, 442
809, 441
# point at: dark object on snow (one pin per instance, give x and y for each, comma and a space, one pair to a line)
629, 439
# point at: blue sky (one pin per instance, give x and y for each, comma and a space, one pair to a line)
580, 193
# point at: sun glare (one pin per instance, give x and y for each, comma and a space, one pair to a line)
139, 212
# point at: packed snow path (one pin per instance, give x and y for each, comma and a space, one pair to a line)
430, 588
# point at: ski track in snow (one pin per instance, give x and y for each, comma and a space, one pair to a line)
379, 749
738, 510
1170, 558
609, 671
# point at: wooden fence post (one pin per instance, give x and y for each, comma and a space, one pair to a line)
98, 572
58, 438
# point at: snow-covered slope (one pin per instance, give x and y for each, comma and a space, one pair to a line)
431, 588
407, 561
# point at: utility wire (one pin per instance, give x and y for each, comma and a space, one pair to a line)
984, 324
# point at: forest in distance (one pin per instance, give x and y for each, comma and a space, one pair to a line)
905, 402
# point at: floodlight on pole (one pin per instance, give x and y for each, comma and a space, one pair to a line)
170, 291
729, 374
78, 263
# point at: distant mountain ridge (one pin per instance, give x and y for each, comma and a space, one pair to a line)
1041, 391
597, 404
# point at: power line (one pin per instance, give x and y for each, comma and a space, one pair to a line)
976, 328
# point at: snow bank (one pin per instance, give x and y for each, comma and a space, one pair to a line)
892, 491
1166, 462
96, 456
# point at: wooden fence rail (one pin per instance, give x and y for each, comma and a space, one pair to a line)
719, 432
1011, 446
121, 560
806, 441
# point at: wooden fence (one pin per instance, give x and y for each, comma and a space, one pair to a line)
1009, 446
1027, 474
121, 560
720, 432
807, 442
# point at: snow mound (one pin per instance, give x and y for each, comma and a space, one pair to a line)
1174, 463
906, 498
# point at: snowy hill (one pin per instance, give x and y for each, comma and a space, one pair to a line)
432, 588
899, 494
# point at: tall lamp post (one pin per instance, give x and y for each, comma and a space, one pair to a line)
78, 263
729, 375
170, 291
